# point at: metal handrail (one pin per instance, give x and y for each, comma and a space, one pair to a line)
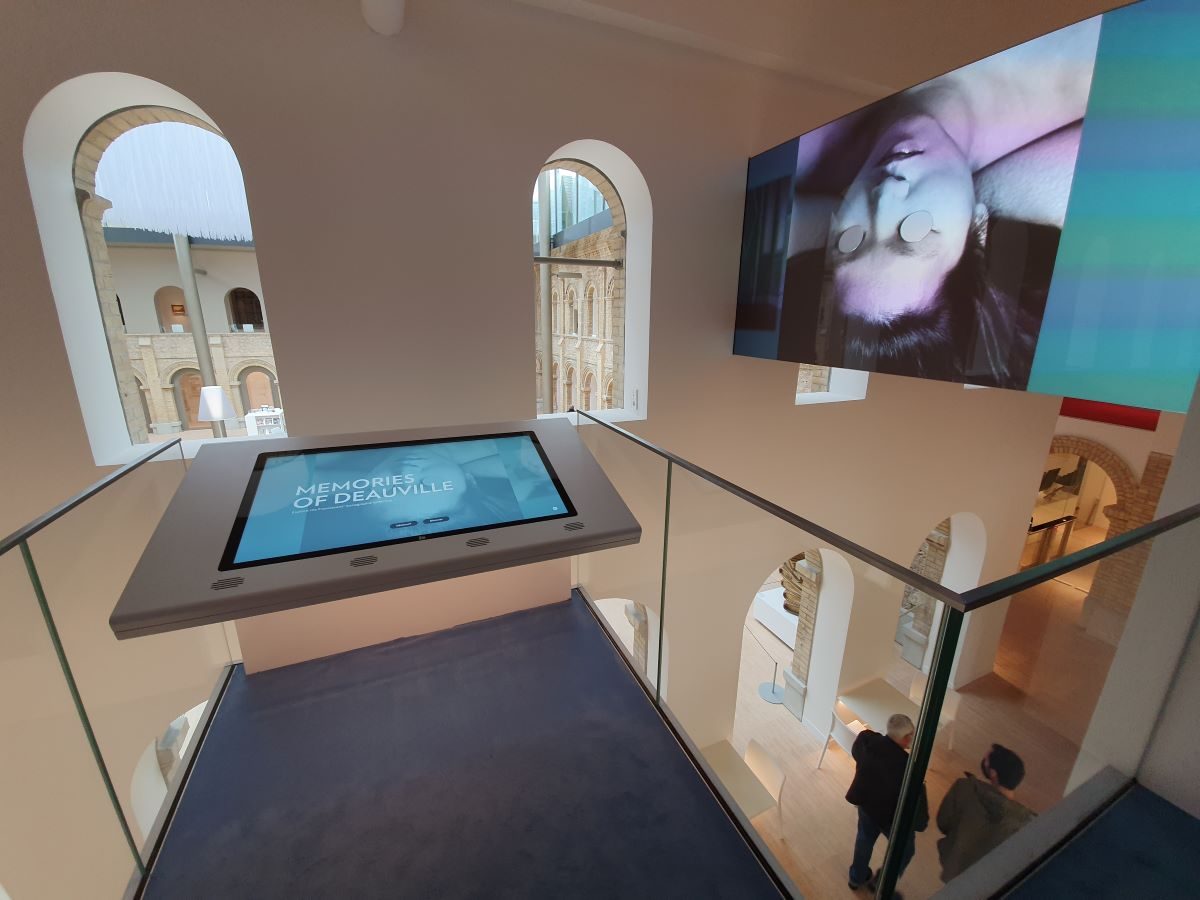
897, 571
989, 593
973, 599
31, 528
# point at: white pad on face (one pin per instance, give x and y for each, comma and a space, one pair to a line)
916, 226
851, 239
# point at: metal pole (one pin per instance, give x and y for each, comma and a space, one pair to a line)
922, 748
191, 303
662, 591
546, 312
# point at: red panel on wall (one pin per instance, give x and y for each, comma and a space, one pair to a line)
1112, 413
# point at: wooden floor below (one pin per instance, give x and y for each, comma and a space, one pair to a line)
1037, 701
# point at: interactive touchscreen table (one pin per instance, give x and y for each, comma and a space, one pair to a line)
262, 526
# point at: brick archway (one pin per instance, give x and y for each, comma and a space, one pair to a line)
1117, 578
1124, 481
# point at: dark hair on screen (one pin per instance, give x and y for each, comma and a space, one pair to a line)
974, 331
1009, 768
990, 331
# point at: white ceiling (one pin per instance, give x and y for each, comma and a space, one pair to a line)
870, 47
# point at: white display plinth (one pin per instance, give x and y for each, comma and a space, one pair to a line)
768, 609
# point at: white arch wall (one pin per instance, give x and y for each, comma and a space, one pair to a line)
53, 133
631, 185
835, 608
718, 549
613, 611
962, 571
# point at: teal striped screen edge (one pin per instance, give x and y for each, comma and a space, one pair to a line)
1122, 319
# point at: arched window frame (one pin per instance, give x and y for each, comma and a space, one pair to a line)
630, 185
61, 119
572, 314
170, 295
232, 316
587, 391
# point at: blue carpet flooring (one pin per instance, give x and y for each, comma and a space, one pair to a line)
514, 757
1142, 847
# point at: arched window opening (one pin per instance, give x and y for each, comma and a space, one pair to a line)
608, 396
581, 240
569, 390
186, 384
585, 399
244, 310
170, 309
155, 185
555, 399
258, 389
914, 628
572, 314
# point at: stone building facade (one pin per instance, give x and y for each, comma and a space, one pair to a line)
165, 368
588, 304
157, 371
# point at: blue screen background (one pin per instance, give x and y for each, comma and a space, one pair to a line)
309, 503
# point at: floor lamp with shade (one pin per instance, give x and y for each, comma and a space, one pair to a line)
215, 407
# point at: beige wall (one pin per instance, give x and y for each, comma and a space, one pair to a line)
402, 122
140, 271
368, 160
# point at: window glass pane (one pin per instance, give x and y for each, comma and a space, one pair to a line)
157, 350
589, 300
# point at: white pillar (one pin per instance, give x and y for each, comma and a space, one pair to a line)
191, 302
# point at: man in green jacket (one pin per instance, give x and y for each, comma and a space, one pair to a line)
977, 815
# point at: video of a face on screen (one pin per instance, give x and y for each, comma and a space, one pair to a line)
310, 503
918, 236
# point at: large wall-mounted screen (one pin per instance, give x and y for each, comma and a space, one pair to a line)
314, 502
1004, 224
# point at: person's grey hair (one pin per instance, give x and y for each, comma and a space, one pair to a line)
900, 726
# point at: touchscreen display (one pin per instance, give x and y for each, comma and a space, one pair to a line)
315, 502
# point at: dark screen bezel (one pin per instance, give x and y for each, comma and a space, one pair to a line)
239, 525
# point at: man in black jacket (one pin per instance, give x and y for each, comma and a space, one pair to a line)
880, 763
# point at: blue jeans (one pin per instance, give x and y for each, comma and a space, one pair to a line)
864, 843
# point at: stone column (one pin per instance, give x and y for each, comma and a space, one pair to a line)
1117, 577
195, 314
801, 577
91, 211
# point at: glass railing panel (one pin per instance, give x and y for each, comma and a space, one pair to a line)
144, 695
782, 655
1032, 730
625, 583
60, 836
